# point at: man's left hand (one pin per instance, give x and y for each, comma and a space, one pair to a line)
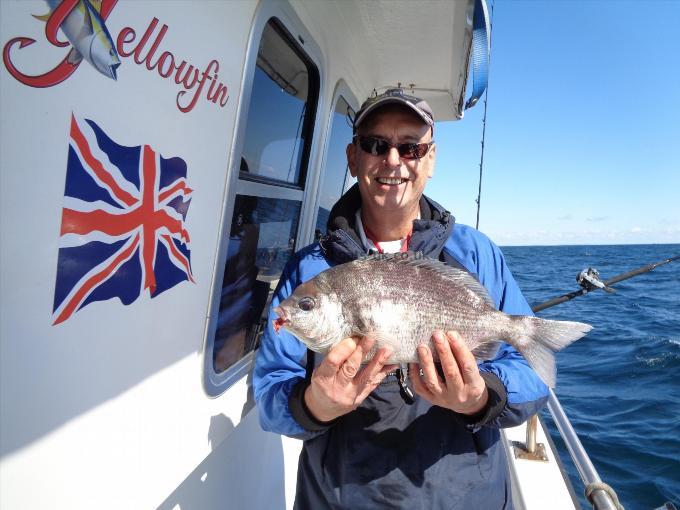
463, 390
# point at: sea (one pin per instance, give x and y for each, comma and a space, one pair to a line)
620, 385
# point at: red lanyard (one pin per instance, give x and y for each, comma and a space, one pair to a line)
371, 237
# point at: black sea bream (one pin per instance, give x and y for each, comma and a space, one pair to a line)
400, 299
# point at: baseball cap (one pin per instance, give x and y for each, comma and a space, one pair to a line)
394, 96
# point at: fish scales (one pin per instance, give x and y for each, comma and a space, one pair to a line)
428, 302
400, 299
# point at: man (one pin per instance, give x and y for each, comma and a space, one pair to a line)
365, 444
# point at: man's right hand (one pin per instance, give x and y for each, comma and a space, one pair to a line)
340, 384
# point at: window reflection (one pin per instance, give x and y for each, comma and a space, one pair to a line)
261, 240
335, 172
281, 110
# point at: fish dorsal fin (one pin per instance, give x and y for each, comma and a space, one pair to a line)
417, 259
96, 5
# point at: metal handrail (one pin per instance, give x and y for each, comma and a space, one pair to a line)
601, 499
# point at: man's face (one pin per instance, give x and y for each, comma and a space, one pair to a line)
376, 175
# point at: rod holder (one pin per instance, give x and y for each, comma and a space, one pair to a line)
532, 423
531, 450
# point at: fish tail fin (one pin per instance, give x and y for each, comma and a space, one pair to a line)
541, 338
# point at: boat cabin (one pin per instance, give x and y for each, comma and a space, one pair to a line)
159, 163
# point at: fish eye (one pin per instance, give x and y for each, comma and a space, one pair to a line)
306, 304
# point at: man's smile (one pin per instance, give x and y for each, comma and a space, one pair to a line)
391, 181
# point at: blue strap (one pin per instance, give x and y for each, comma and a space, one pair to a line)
480, 52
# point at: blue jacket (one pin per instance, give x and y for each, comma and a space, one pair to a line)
386, 453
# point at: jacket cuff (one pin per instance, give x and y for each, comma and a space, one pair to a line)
498, 399
298, 409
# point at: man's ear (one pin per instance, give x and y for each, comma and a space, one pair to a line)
351, 153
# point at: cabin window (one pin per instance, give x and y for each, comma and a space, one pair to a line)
334, 176
261, 240
281, 111
267, 200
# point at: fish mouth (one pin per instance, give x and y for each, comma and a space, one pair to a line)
112, 71
282, 321
391, 181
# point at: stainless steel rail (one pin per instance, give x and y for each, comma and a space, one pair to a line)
600, 498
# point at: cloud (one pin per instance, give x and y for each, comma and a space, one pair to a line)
566, 217
597, 218
587, 233
633, 235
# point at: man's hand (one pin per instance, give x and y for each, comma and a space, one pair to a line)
339, 384
463, 390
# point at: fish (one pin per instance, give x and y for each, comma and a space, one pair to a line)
401, 299
90, 39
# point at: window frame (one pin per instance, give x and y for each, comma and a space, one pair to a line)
308, 125
341, 90
214, 383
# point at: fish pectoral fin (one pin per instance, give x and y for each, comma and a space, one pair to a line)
86, 31
381, 340
74, 57
379, 337
486, 351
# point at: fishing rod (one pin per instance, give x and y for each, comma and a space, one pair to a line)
589, 279
486, 99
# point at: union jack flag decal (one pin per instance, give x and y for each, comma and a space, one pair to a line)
122, 224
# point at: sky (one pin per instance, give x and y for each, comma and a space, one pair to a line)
583, 127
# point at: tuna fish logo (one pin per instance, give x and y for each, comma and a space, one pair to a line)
82, 22
87, 33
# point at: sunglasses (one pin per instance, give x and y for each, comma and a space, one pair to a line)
379, 147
